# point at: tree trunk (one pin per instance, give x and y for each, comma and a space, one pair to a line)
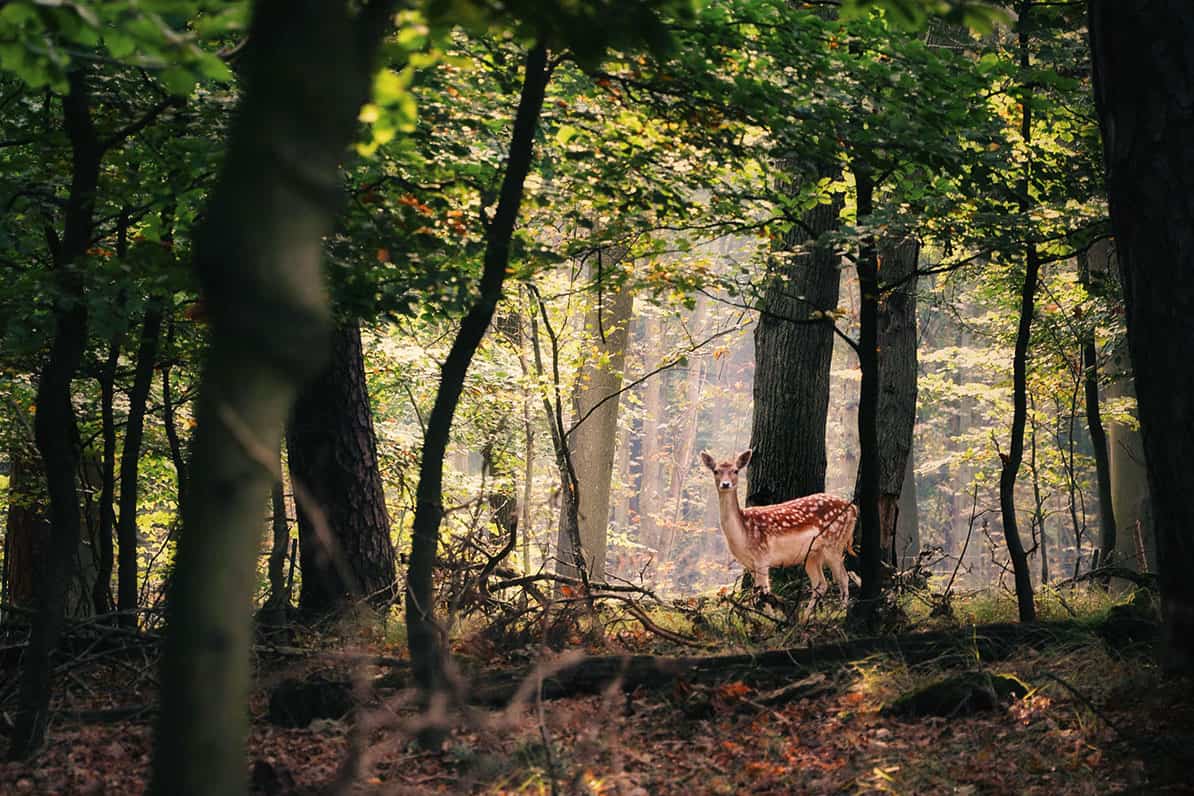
423, 634
332, 449
792, 363
650, 466
908, 524
258, 257
867, 492
1129, 477
54, 426
1094, 420
84, 566
279, 544
1143, 54
684, 454
1038, 501
27, 529
595, 429
105, 561
130, 457
897, 381
1012, 460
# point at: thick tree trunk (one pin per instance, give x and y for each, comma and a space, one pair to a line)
279, 544
424, 639
595, 430
130, 458
791, 384
258, 257
1143, 53
897, 382
332, 449
54, 426
1015, 456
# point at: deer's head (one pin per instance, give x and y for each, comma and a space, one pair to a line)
725, 475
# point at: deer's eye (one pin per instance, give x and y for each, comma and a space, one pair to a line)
735, 472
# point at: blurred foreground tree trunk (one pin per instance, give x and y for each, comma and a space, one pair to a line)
1143, 54
307, 70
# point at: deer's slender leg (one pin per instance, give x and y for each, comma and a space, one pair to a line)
812, 565
838, 567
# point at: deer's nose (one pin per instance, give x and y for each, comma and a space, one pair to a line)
725, 484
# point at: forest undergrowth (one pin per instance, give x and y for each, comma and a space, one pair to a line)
1098, 716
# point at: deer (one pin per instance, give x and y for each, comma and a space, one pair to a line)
815, 530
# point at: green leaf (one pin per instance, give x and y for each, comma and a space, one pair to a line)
177, 80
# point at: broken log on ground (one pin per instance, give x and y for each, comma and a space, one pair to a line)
961, 646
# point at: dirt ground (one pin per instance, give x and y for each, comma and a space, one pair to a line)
1093, 722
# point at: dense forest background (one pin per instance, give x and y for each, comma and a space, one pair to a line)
400, 328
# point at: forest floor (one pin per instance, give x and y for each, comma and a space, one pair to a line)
1096, 719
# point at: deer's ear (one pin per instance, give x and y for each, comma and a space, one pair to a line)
707, 460
743, 458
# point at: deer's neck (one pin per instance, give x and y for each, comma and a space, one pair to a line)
732, 523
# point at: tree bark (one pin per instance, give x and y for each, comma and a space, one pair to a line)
1015, 456
169, 421
867, 492
130, 458
650, 466
277, 603
55, 425
258, 254
792, 363
426, 646
684, 454
1129, 476
1143, 54
1094, 421
332, 450
595, 429
105, 562
908, 524
897, 381
27, 528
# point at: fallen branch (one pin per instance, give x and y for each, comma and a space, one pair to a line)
1145, 580
961, 646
